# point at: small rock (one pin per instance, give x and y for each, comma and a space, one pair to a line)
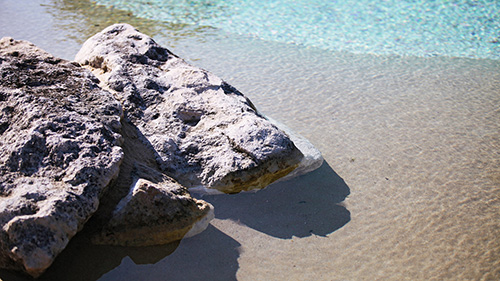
155, 213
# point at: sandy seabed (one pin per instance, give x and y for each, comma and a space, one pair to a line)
410, 189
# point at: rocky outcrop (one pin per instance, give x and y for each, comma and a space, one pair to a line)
205, 133
59, 134
118, 151
63, 144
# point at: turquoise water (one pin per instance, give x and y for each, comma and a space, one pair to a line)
459, 28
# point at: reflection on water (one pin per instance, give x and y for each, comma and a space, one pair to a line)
61, 26
458, 28
82, 19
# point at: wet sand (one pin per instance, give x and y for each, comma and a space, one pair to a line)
410, 189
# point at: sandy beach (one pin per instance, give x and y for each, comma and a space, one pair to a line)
410, 187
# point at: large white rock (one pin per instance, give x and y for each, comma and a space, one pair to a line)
206, 133
59, 139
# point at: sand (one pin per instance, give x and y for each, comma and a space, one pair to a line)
411, 185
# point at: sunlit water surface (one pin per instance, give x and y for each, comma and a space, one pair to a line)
411, 185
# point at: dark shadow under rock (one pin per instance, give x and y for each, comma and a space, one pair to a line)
211, 255
307, 205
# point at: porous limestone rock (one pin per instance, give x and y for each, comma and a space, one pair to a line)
143, 206
205, 133
155, 213
59, 138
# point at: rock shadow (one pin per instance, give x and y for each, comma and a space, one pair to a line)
299, 207
211, 255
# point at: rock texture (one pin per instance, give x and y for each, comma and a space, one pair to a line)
204, 132
155, 213
59, 134
144, 206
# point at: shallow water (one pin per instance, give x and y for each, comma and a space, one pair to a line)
463, 28
411, 185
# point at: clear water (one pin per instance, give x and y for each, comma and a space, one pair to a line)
411, 185
456, 28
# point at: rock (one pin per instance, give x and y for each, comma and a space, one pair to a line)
143, 206
162, 126
312, 159
155, 213
59, 134
205, 133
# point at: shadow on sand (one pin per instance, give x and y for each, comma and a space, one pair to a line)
211, 255
299, 207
